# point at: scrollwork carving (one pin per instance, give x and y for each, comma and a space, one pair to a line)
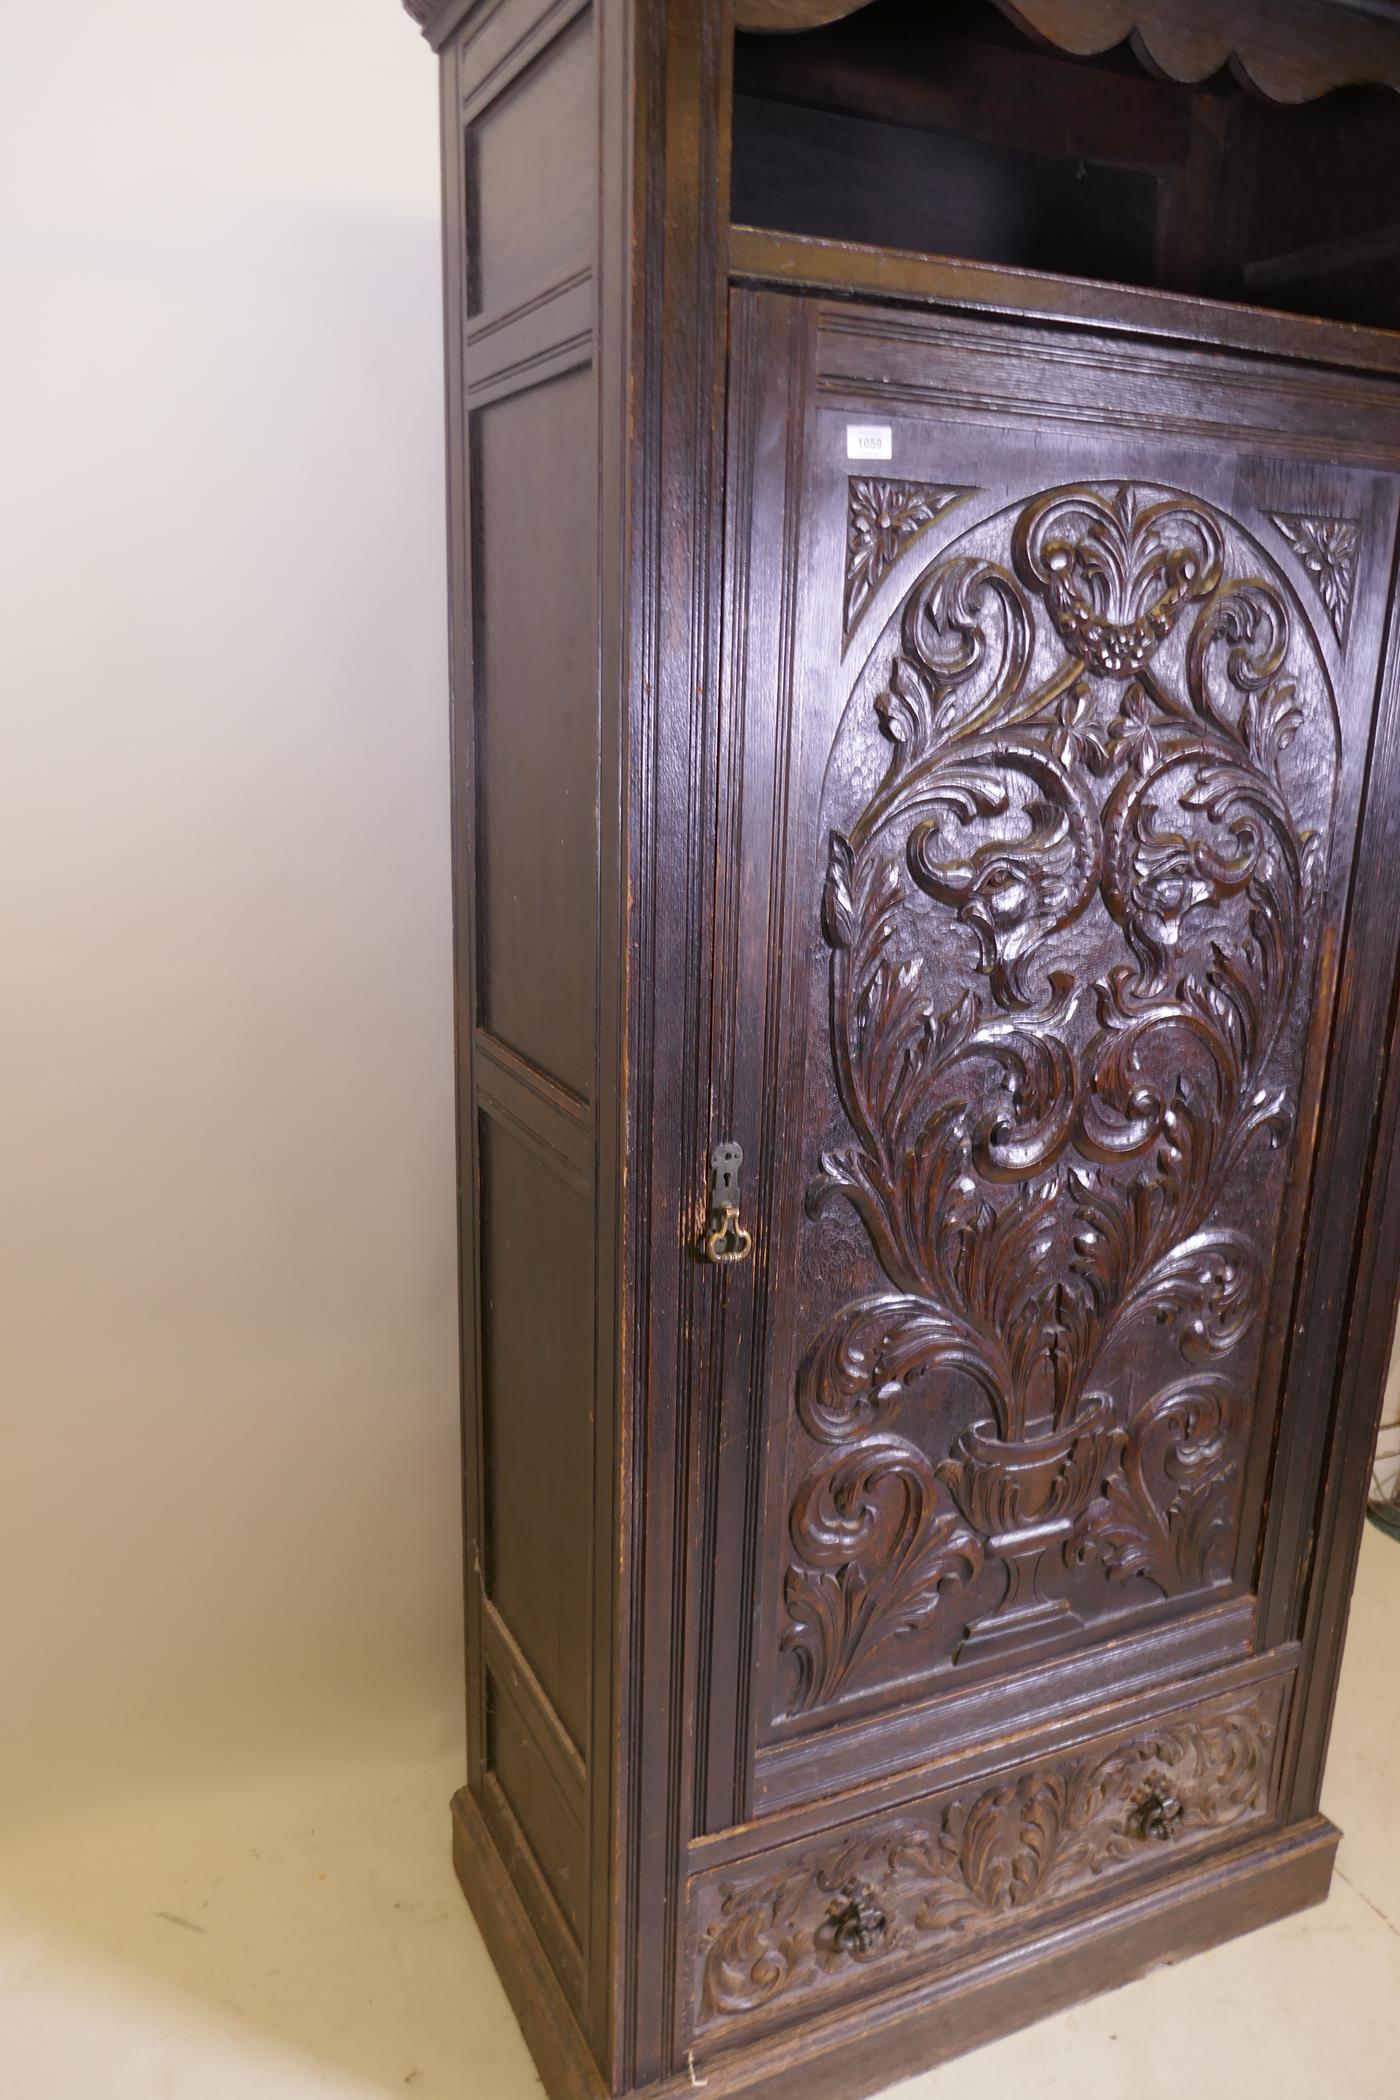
1097, 729
1166, 1505
967, 1865
873, 1557
1115, 571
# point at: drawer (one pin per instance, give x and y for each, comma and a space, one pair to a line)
878, 1902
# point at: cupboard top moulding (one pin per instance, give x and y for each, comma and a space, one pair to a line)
924, 515
1289, 50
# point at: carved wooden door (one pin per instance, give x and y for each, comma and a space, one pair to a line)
1051, 671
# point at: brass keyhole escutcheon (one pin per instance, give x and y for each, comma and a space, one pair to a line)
725, 1239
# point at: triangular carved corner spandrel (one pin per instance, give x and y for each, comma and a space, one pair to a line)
1326, 549
883, 519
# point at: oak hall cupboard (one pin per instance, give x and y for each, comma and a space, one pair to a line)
926, 697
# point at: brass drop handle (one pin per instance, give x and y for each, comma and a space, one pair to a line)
858, 1925
1159, 1815
725, 1238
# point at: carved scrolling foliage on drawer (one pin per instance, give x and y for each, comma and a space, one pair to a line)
928, 1883
1070, 934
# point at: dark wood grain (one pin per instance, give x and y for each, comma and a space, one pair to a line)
916, 1553
946, 131
1288, 49
520, 232
535, 484
882, 1900
998, 94
523, 494
534, 1228
674, 1317
934, 1617
761, 257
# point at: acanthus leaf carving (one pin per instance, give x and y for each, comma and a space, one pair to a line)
966, 1865
1165, 1509
1327, 549
872, 1559
1039, 1160
883, 519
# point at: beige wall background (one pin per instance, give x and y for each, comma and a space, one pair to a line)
228, 1482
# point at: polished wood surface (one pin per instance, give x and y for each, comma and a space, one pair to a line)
962, 1075
523, 422
760, 257
931, 723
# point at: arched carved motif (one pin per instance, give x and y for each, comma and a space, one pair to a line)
1070, 928
1289, 50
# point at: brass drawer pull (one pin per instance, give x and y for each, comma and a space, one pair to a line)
1159, 1816
725, 1238
858, 1924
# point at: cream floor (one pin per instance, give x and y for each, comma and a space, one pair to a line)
303, 1939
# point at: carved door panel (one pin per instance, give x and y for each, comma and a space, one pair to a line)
1045, 737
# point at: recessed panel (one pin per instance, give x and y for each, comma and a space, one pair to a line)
546, 1822
535, 482
537, 1392
532, 175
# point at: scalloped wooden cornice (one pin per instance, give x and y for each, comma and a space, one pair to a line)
1290, 50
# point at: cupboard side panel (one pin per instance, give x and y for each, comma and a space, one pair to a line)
522, 411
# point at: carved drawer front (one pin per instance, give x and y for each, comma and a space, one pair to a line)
939, 1881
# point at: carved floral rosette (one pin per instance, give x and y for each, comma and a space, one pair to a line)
1076, 820
940, 1878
